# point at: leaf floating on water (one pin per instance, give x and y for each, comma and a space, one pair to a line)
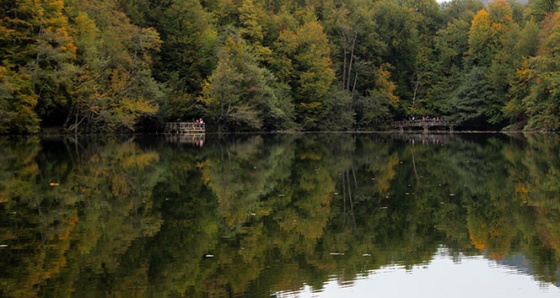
53, 184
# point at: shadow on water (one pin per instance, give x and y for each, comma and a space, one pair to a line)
251, 215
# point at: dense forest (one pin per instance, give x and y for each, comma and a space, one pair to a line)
90, 66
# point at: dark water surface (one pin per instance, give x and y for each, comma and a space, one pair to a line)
310, 215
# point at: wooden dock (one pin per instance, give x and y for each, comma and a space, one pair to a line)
185, 133
184, 128
425, 124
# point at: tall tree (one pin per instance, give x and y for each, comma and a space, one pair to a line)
115, 86
544, 99
526, 48
18, 49
242, 95
304, 63
539, 9
187, 55
489, 32
53, 68
398, 30
488, 64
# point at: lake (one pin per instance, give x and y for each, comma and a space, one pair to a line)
281, 215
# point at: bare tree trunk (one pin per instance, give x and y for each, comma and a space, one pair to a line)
354, 86
415, 88
344, 63
351, 59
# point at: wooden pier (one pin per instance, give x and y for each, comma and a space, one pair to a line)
184, 128
185, 133
425, 124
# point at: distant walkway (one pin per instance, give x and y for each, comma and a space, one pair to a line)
426, 124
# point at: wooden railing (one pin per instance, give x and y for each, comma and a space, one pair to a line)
184, 127
424, 123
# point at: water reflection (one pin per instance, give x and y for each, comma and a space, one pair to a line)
252, 215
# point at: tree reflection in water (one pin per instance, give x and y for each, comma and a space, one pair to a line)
254, 215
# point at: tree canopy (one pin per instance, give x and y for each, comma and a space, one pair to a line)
118, 66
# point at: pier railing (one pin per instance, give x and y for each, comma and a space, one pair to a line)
424, 123
184, 127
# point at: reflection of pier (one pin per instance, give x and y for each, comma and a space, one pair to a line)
426, 124
424, 139
190, 138
184, 128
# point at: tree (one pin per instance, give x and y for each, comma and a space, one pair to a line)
350, 26
427, 19
539, 9
398, 30
53, 66
473, 98
490, 46
544, 99
481, 47
17, 103
377, 104
187, 56
242, 95
489, 32
526, 48
18, 99
303, 62
114, 87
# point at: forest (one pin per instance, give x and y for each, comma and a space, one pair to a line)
105, 66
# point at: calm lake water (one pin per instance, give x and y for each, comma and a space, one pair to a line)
310, 215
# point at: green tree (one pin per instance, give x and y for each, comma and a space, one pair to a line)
472, 99
17, 103
376, 105
242, 95
114, 87
489, 65
539, 9
53, 66
427, 19
187, 56
18, 48
399, 32
303, 62
543, 100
